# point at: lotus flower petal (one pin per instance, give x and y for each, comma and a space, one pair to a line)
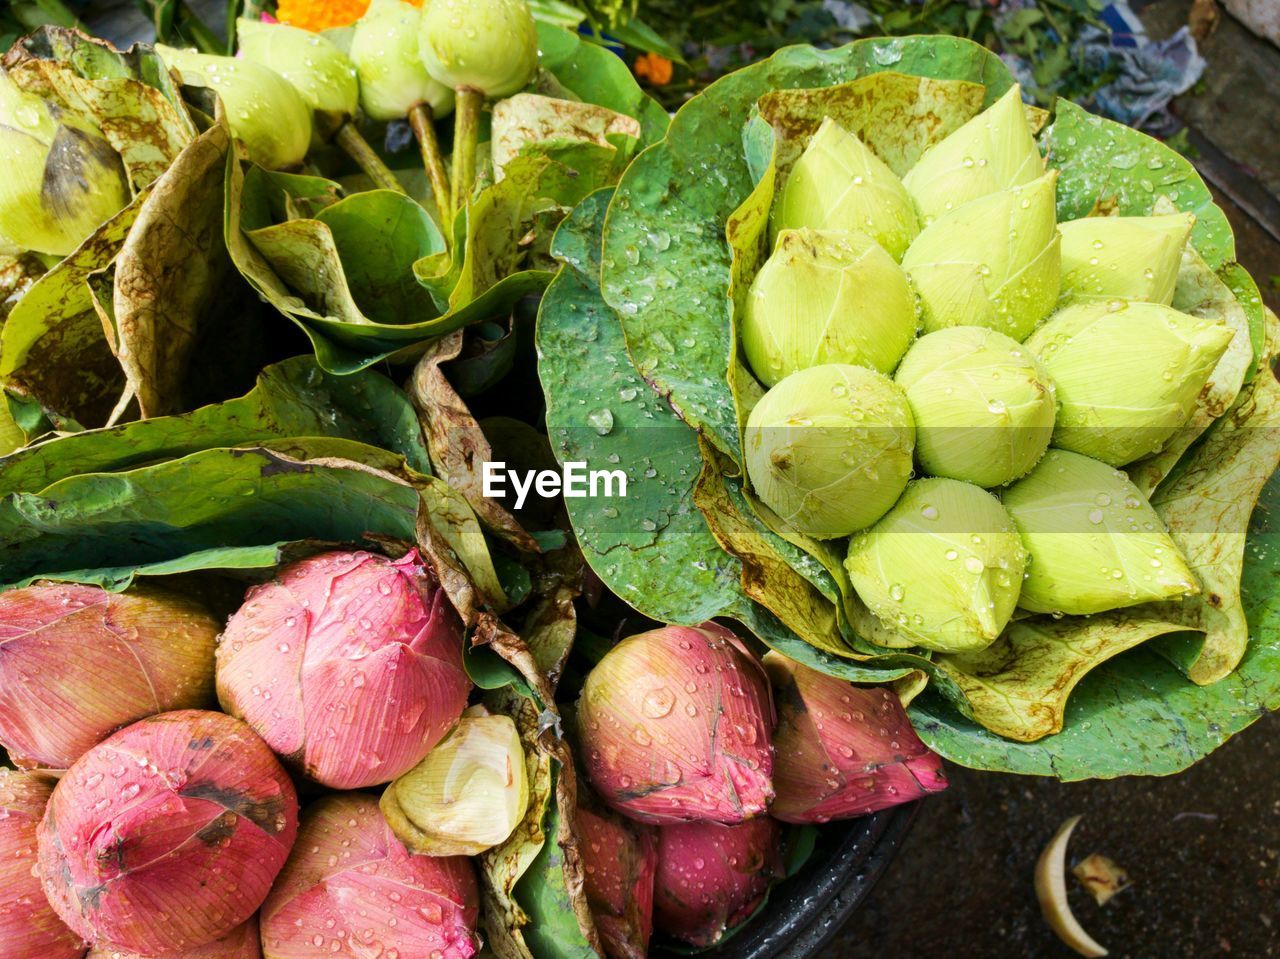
1123, 257
983, 405
263, 109
348, 664
167, 835
243, 942
843, 751
1094, 541
829, 448
825, 297
944, 566
839, 184
675, 726
78, 662
1128, 374
321, 73
711, 878
468, 795
992, 152
993, 262
28, 925
619, 861
393, 78
351, 888
61, 180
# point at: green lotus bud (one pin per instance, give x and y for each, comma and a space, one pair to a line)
485, 45
839, 184
993, 262
1128, 374
992, 152
321, 73
982, 403
829, 448
393, 78
1095, 542
944, 566
1123, 257
263, 109
61, 180
826, 297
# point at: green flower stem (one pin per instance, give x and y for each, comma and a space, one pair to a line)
424, 129
466, 132
357, 147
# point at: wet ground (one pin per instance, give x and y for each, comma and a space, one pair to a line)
1203, 847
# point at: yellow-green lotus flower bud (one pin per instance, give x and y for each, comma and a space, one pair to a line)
1128, 374
825, 297
468, 795
1123, 257
60, 181
992, 152
944, 565
1095, 542
839, 184
393, 78
485, 45
982, 403
263, 109
829, 448
321, 73
993, 262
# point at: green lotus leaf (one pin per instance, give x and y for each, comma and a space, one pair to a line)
204, 501
1206, 505
596, 75
291, 399
345, 272
1246, 293
897, 115
1018, 686
169, 278
528, 121
129, 96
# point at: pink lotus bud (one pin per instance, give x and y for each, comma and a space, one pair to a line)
842, 750
79, 662
241, 943
28, 924
712, 878
675, 726
351, 888
348, 664
619, 861
168, 834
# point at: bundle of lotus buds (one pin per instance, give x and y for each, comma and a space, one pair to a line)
680, 737
929, 453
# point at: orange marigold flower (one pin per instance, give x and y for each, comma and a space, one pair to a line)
320, 15
653, 69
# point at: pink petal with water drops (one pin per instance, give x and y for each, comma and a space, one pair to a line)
352, 889
168, 834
